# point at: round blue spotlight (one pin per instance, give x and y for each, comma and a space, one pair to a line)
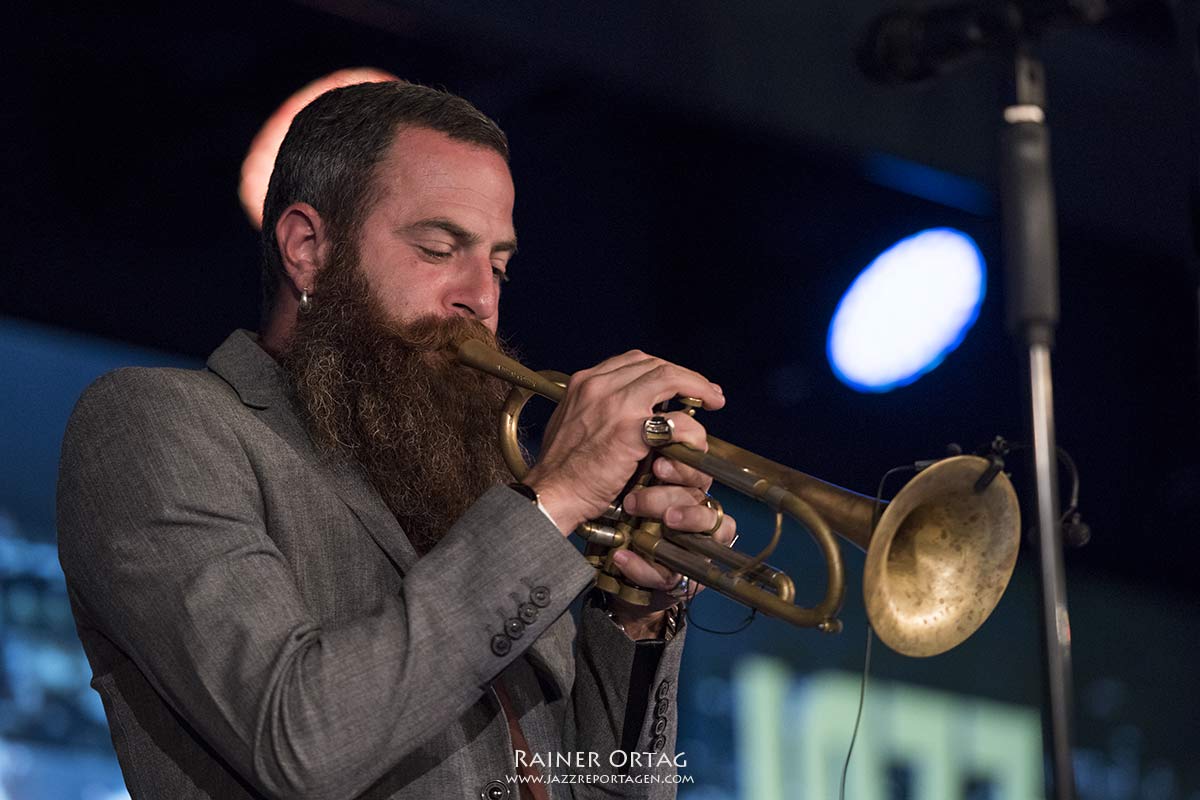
907, 310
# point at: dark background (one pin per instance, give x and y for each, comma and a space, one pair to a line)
691, 181
695, 179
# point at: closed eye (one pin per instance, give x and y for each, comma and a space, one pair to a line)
436, 255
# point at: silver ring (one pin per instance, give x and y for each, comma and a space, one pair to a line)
681, 589
658, 430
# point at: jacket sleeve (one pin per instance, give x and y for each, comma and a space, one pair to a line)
164, 543
624, 709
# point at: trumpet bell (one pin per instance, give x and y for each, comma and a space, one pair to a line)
940, 557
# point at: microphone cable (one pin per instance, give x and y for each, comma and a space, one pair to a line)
862, 687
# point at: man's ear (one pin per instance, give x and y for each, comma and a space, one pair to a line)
303, 243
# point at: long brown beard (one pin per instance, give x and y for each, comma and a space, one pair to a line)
391, 397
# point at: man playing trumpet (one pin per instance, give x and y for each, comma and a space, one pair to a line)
301, 572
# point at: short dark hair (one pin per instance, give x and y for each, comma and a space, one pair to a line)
328, 157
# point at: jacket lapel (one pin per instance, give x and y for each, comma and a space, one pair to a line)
260, 384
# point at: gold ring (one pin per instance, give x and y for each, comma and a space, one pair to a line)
715, 505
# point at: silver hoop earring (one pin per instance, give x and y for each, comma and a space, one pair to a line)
305, 302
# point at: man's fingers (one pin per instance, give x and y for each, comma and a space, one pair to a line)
648, 381
670, 471
681, 508
695, 519
641, 572
667, 380
633, 358
653, 501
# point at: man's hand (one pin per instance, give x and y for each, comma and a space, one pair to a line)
592, 446
593, 442
680, 505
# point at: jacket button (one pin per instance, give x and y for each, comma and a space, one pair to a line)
513, 627
500, 646
540, 595
658, 744
660, 726
528, 613
494, 790
661, 708
664, 689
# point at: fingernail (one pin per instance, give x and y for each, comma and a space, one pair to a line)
630, 502
717, 388
620, 558
673, 516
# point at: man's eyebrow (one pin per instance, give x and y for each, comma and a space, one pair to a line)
461, 234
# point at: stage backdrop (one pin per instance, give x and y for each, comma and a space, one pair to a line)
766, 713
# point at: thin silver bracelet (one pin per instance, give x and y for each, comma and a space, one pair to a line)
670, 622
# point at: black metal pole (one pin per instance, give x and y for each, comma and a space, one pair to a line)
1031, 255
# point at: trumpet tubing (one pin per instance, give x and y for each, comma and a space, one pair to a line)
938, 559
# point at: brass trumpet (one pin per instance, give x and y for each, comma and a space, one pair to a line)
938, 559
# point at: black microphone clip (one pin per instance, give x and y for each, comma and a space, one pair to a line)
994, 453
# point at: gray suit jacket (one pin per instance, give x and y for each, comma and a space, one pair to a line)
258, 624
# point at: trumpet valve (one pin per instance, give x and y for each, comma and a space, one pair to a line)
597, 533
690, 405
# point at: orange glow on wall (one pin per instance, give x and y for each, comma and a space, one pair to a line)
260, 160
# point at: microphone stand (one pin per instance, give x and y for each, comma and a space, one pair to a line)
1031, 255
908, 45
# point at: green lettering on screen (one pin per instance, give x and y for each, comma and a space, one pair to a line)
792, 736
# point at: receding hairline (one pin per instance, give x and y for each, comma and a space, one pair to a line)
376, 189
407, 130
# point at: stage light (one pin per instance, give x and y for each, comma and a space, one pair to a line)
907, 310
260, 160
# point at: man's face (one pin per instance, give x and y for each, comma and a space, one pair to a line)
371, 361
438, 240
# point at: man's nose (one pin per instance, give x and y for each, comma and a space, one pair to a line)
477, 295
